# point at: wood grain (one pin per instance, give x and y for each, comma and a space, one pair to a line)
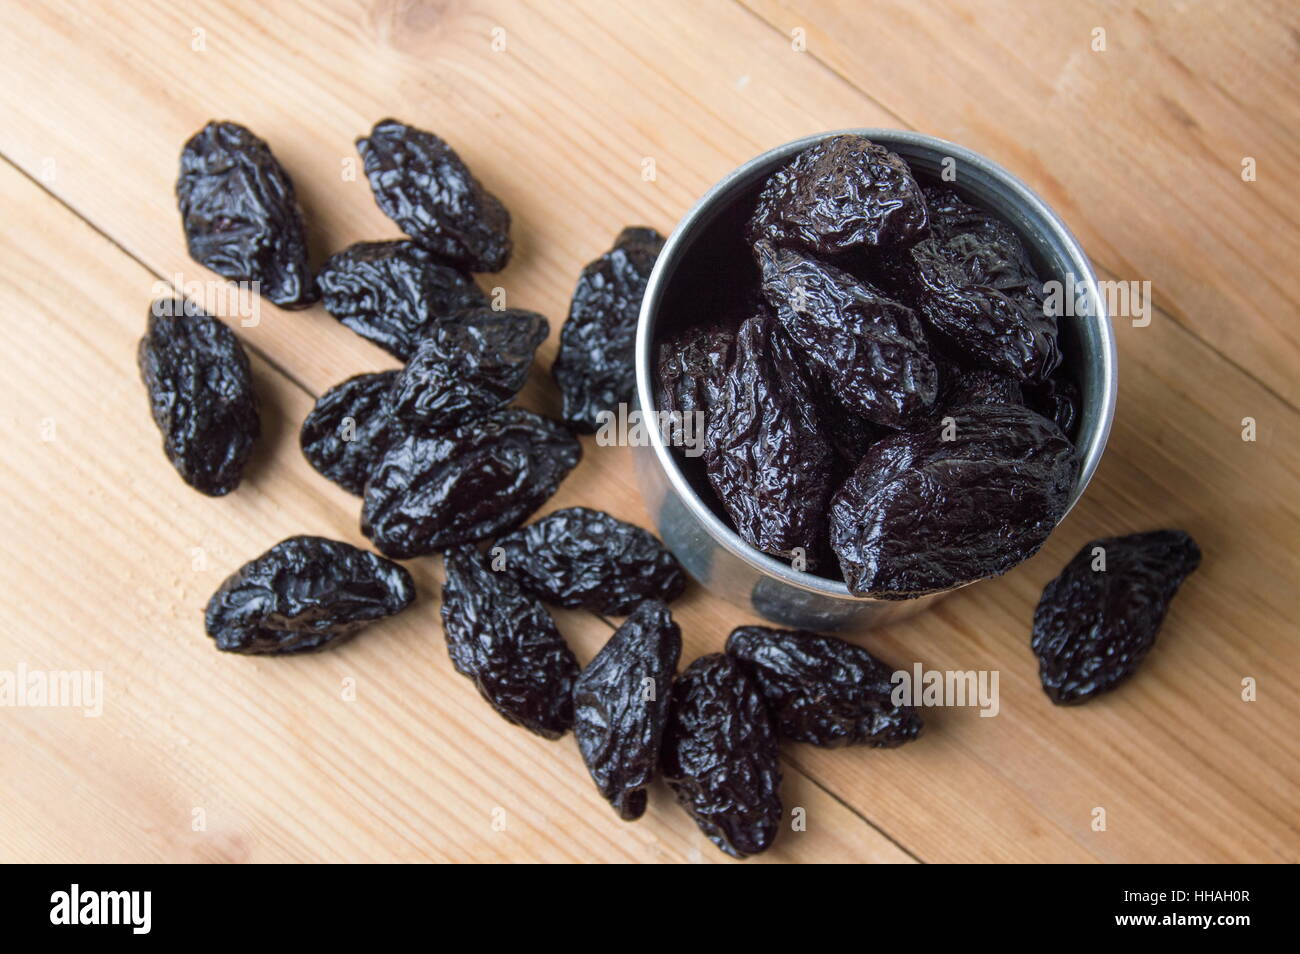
559, 124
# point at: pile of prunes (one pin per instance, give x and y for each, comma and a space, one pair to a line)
889, 315
883, 395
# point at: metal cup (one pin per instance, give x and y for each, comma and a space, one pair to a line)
709, 549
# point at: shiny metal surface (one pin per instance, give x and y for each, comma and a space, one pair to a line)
709, 549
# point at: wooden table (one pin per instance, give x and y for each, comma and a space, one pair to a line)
379, 750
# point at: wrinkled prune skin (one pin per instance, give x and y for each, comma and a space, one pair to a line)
976, 288
692, 369
435, 490
595, 369
766, 456
578, 557
849, 433
468, 365
303, 594
201, 395
505, 641
1058, 400
421, 184
1093, 628
851, 437
949, 212
923, 514
241, 216
870, 350
720, 756
1007, 265
621, 702
844, 193
822, 690
392, 293
964, 386
349, 430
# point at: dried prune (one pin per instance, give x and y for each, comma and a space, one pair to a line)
595, 368
767, 458
349, 430
963, 386
969, 497
303, 594
621, 701
692, 369
720, 756
976, 288
201, 394
1057, 399
505, 641
421, 184
467, 366
845, 192
579, 557
392, 293
240, 214
850, 434
822, 690
432, 491
1006, 264
871, 351
950, 212
1097, 621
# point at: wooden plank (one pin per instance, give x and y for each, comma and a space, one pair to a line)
109, 561
603, 89
1139, 146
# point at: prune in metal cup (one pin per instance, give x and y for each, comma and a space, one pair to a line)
690, 279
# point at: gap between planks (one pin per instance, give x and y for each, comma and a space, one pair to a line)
94, 227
